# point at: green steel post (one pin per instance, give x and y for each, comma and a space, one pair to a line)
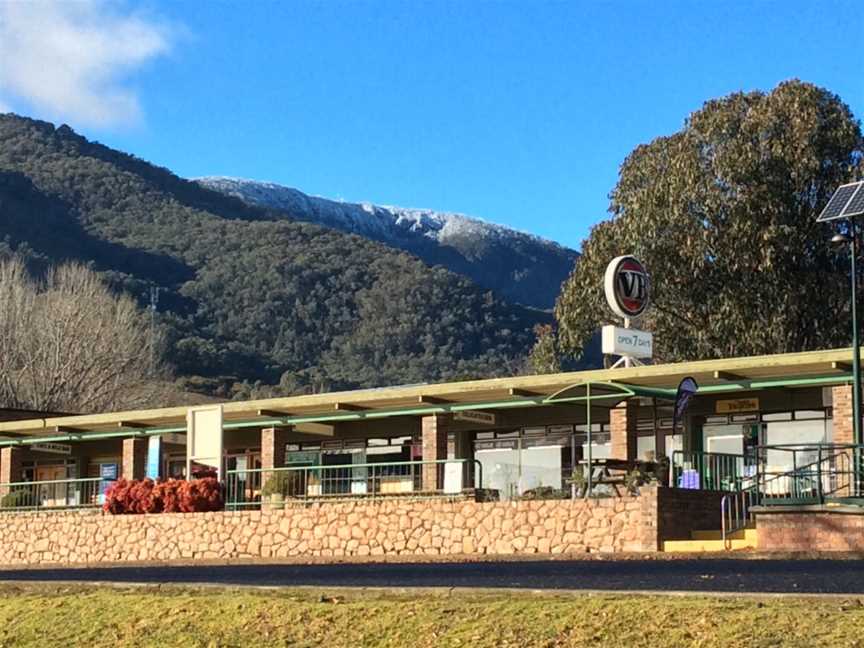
588, 420
856, 354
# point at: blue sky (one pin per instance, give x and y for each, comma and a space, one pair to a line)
516, 112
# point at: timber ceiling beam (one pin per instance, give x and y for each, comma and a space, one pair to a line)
270, 413
525, 393
432, 400
349, 407
132, 425
65, 429
728, 376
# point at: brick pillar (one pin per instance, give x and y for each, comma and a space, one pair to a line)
134, 458
434, 429
841, 398
622, 428
273, 442
10, 466
842, 427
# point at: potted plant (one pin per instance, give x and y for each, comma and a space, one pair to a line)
281, 484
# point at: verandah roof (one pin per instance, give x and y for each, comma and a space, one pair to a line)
658, 381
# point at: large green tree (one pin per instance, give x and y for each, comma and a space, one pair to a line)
723, 214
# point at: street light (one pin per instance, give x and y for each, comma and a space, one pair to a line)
840, 240
848, 203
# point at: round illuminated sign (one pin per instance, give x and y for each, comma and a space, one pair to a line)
628, 289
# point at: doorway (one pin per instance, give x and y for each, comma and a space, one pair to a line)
51, 493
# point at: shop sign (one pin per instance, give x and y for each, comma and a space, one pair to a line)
308, 457
473, 416
53, 448
627, 286
626, 342
737, 405
108, 471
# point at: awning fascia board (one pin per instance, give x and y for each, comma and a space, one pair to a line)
622, 391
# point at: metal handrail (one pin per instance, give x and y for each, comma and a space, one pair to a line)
327, 482
814, 475
52, 481
51, 494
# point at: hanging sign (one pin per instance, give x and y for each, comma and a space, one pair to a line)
737, 405
53, 448
627, 342
627, 286
686, 388
473, 416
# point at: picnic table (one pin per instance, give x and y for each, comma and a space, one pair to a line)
612, 472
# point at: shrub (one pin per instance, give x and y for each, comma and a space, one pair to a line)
287, 483
170, 496
545, 493
20, 498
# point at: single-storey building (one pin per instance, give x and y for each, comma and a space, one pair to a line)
509, 436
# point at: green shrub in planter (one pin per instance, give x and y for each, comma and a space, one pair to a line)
287, 483
21, 498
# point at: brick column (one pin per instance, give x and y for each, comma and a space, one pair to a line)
434, 429
622, 428
649, 532
841, 398
843, 430
273, 442
10, 466
134, 458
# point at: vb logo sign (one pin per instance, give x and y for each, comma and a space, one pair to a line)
627, 286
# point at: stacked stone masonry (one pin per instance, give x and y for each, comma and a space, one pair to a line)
412, 528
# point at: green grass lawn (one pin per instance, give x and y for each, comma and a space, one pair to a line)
73, 616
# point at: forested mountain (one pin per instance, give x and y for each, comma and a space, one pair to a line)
523, 268
246, 294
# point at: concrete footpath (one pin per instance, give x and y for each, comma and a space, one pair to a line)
793, 576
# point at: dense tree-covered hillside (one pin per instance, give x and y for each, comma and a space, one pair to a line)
247, 295
521, 267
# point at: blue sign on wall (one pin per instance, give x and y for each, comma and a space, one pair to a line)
154, 451
108, 471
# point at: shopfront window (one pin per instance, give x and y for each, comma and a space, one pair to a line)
797, 438
529, 461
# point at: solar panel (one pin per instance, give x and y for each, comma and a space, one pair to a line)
855, 207
836, 206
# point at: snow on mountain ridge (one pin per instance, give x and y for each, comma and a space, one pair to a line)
522, 267
366, 217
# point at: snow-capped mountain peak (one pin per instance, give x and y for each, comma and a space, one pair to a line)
521, 266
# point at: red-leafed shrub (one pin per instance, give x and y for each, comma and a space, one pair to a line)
171, 496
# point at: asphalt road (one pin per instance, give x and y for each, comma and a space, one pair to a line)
724, 575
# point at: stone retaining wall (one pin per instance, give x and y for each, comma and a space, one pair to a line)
419, 527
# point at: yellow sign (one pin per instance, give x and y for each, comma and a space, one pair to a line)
737, 405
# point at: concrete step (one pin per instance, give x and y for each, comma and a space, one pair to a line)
745, 539
700, 546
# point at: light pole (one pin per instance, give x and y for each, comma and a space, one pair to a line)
850, 240
847, 203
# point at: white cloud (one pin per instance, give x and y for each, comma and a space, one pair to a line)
71, 60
